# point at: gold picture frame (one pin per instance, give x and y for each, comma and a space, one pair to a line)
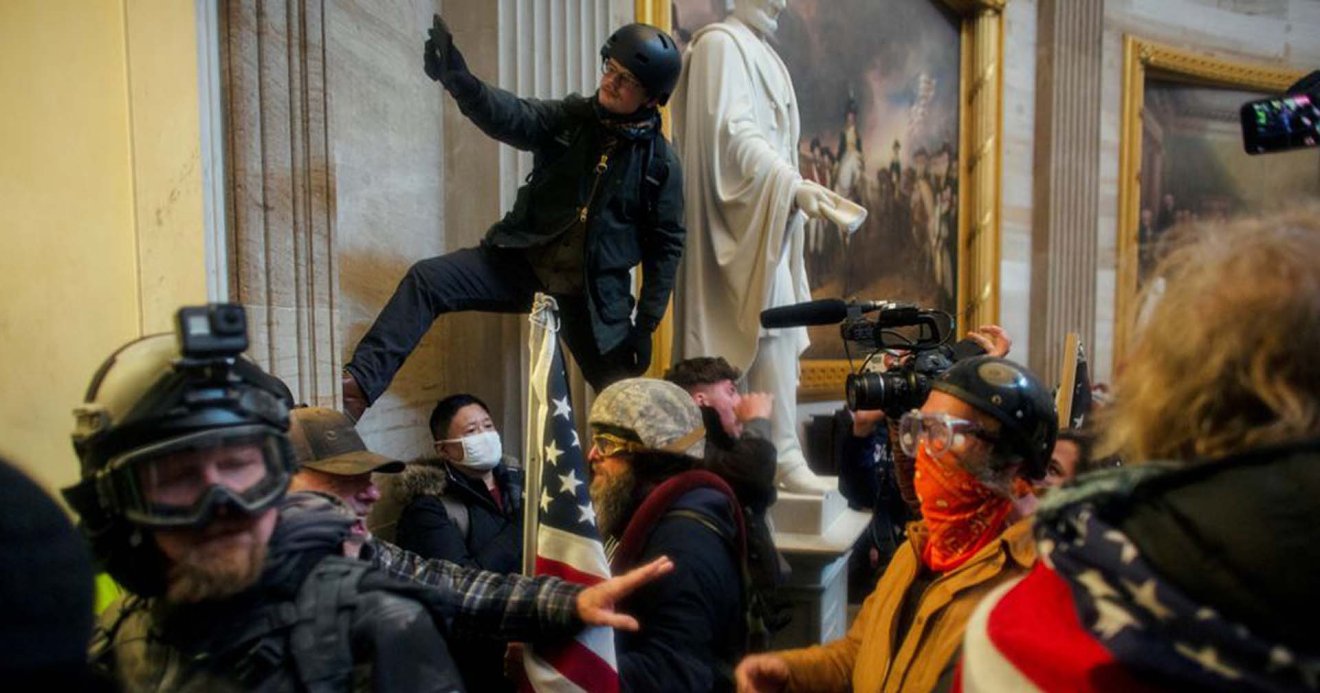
1142, 58
981, 90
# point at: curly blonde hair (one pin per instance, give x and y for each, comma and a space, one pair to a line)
1228, 355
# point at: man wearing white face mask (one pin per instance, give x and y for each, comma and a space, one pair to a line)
465, 505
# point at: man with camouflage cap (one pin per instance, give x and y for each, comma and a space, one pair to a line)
652, 499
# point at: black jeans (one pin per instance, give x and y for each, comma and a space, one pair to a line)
492, 280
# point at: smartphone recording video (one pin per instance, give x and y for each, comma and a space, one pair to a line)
1280, 123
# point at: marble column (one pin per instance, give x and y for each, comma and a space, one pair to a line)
1067, 183
282, 266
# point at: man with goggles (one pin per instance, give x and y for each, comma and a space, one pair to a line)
185, 463
986, 429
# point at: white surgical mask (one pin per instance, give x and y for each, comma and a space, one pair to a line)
481, 451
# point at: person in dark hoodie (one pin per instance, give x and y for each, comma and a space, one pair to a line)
652, 499
739, 450
1194, 566
466, 508
605, 194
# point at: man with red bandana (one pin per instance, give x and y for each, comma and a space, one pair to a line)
986, 429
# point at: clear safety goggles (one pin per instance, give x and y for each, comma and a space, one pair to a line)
938, 432
181, 482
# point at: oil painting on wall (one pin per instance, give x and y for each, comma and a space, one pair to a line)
877, 85
1194, 167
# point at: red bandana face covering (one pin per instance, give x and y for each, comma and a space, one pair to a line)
961, 514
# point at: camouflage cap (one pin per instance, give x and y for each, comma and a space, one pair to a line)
660, 413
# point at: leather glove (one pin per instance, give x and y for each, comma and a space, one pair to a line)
639, 342
443, 62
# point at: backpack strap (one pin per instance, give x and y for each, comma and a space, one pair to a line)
320, 641
752, 624
657, 504
655, 171
458, 514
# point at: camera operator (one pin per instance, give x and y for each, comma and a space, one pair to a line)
875, 474
986, 427
1193, 567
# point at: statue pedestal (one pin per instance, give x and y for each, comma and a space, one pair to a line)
816, 535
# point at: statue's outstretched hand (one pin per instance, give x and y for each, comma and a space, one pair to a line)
813, 198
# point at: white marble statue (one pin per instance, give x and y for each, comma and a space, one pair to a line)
736, 126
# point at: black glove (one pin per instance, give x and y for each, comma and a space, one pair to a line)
639, 342
443, 62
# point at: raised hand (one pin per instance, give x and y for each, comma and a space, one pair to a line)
595, 604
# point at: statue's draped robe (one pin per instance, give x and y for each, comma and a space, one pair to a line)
736, 126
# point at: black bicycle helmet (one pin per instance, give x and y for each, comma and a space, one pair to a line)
649, 54
1015, 398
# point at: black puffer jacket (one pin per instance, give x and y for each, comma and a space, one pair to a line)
567, 139
246, 642
493, 540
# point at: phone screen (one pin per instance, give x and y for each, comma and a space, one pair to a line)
1279, 123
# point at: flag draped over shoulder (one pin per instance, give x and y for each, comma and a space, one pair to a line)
560, 523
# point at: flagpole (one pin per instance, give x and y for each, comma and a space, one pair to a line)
544, 319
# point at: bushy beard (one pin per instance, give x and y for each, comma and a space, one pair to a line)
205, 574
613, 500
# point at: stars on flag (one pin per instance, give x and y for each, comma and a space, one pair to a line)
570, 482
563, 409
586, 513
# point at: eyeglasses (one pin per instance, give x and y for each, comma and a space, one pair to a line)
609, 68
940, 432
612, 445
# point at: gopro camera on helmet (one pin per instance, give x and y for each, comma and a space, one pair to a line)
173, 430
210, 331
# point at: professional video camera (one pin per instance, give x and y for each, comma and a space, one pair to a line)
919, 336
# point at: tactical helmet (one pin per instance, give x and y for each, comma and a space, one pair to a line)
1015, 398
150, 403
649, 54
660, 414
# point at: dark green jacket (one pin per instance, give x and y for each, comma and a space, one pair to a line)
566, 139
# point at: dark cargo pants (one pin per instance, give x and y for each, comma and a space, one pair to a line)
485, 279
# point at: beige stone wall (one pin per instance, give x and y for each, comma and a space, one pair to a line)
387, 147
101, 192
1282, 31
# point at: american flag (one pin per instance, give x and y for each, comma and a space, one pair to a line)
1073, 401
560, 525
